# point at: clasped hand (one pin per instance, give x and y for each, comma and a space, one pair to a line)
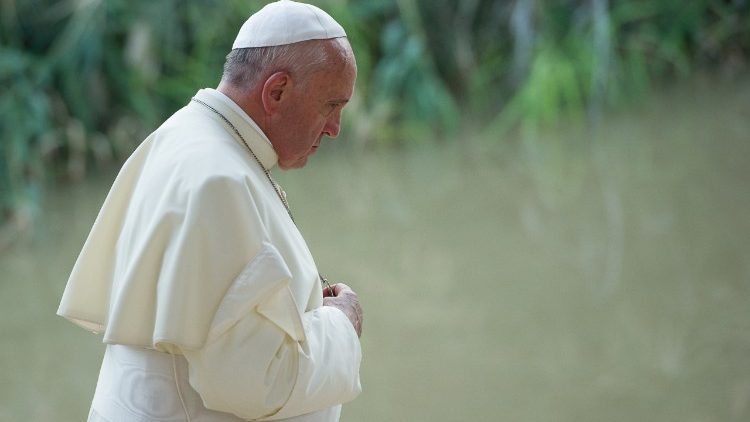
347, 301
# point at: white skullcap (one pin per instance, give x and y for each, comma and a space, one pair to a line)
286, 22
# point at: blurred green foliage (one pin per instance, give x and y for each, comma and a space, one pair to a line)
84, 80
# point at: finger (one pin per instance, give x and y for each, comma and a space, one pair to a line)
339, 288
358, 325
328, 292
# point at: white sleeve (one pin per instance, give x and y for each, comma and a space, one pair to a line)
263, 360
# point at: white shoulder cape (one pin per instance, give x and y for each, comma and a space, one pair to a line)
188, 212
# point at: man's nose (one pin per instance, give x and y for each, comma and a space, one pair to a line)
333, 126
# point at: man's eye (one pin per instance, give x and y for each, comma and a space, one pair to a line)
329, 108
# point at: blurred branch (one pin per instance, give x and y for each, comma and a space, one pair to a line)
523, 32
602, 58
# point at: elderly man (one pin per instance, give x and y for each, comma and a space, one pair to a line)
209, 300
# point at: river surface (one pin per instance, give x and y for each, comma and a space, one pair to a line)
567, 276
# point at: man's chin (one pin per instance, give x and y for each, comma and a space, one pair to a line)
293, 165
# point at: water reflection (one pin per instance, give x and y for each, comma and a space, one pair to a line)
574, 277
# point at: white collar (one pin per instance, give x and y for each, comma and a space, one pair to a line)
231, 104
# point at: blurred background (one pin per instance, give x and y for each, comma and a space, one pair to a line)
542, 203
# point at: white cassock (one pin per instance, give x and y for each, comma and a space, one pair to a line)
204, 289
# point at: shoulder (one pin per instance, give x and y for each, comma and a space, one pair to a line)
196, 150
192, 134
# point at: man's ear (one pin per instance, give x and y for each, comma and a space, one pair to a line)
275, 90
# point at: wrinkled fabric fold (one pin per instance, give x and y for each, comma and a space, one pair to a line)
262, 362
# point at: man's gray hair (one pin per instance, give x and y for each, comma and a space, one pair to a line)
244, 67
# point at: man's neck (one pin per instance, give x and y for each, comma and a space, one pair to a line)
244, 100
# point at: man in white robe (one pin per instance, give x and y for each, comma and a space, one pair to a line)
208, 298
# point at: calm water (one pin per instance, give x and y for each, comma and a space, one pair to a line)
566, 277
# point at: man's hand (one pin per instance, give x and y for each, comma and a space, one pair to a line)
347, 301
